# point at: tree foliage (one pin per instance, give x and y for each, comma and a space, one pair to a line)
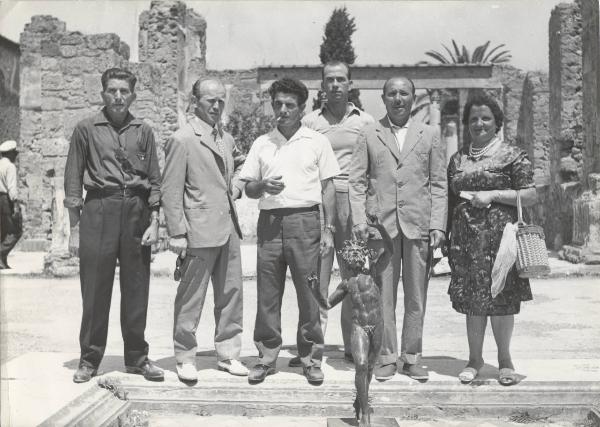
480, 55
337, 41
354, 97
247, 122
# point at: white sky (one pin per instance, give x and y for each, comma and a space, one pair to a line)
245, 34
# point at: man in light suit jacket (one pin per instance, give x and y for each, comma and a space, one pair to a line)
398, 173
198, 192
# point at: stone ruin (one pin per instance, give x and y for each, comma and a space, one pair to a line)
559, 125
553, 116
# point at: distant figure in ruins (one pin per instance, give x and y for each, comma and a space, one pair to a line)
113, 156
367, 318
10, 210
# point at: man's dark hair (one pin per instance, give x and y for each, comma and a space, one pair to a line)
335, 64
289, 86
480, 99
119, 74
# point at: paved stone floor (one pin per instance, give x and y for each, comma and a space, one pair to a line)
43, 314
231, 421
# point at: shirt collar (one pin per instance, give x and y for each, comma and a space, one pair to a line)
205, 127
302, 132
397, 128
102, 119
353, 109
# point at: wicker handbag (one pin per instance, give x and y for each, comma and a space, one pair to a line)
532, 256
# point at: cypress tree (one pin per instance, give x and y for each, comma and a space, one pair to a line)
337, 41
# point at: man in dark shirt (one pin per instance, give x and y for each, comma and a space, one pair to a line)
113, 156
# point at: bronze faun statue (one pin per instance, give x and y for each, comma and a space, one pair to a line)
367, 320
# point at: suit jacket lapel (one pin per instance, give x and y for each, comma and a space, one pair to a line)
384, 132
205, 135
413, 136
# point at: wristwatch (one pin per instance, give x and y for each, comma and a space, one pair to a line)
330, 227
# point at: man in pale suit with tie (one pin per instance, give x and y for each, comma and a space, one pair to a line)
198, 192
398, 173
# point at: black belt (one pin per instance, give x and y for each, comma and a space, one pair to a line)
118, 191
289, 211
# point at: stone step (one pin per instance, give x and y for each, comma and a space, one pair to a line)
559, 388
334, 398
95, 407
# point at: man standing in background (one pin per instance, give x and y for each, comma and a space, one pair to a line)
11, 223
341, 122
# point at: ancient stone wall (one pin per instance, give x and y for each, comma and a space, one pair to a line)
585, 245
173, 40
565, 113
9, 115
9, 65
60, 75
533, 135
591, 85
61, 71
512, 87
37, 216
9, 89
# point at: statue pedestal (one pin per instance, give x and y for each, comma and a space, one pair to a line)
586, 226
375, 422
60, 260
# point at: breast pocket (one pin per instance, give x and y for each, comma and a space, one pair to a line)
422, 151
307, 160
139, 161
382, 156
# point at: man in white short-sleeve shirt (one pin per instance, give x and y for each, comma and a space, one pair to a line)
291, 171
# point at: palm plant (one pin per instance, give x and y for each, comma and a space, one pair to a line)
480, 55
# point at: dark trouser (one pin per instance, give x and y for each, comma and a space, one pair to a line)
412, 257
111, 228
222, 265
343, 232
287, 237
10, 227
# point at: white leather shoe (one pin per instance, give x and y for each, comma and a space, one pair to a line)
187, 372
233, 366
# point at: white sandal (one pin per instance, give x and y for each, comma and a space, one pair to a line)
467, 375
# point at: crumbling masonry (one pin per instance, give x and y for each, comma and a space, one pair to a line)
553, 116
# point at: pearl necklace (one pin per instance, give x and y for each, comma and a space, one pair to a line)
477, 153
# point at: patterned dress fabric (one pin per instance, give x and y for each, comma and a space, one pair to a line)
475, 233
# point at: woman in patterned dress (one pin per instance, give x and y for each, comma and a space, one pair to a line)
483, 178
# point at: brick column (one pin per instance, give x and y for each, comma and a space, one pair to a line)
586, 208
564, 81
533, 135
37, 217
